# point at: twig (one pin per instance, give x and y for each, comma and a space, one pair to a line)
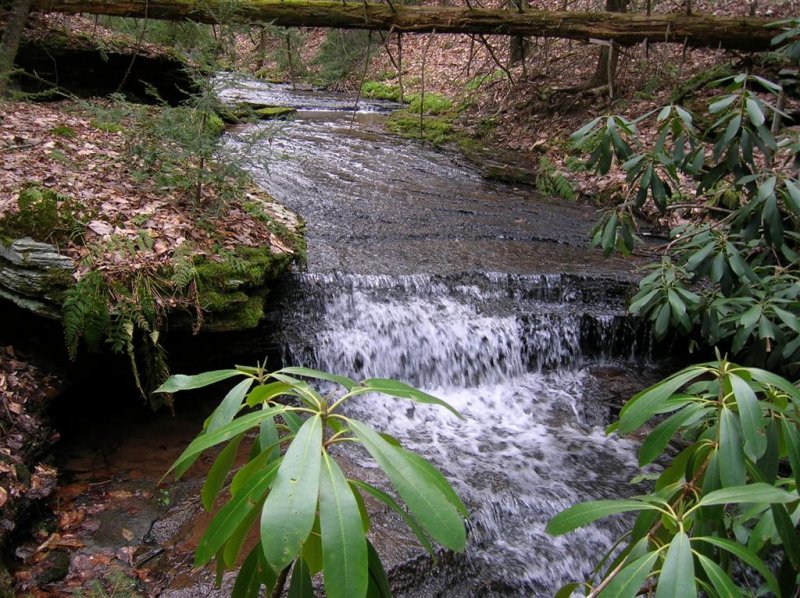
136, 48
495, 59
363, 78
15, 148
422, 85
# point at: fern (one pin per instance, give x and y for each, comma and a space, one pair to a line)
549, 181
85, 313
183, 272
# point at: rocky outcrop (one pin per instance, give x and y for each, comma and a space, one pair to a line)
34, 276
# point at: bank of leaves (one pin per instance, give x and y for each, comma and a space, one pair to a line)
722, 517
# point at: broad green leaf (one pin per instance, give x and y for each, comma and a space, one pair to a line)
640, 302
301, 585
792, 444
699, 256
344, 547
567, 590
766, 377
293, 421
404, 391
678, 307
268, 438
255, 464
577, 135
226, 432
289, 511
312, 549
608, 240
745, 556
755, 493
754, 112
789, 319
432, 509
720, 105
180, 382
755, 441
231, 515
253, 574
267, 392
731, 456
793, 195
677, 573
215, 479
233, 546
628, 582
344, 381
647, 403
788, 534
302, 390
587, 512
394, 506
721, 581
435, 478
658, 439
378, 584
229, 406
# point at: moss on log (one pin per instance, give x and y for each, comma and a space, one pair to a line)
741, 33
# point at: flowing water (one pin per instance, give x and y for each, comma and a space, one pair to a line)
480, 293
418, 269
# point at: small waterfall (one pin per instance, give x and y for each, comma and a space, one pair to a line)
512, 353
456, 331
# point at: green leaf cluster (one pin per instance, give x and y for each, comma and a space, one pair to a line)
726, 499
730, 271
310, 515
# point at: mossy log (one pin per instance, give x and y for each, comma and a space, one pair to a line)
740, 33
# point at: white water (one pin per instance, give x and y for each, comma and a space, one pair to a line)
531, 443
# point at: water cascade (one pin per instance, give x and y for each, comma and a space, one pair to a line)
482, 294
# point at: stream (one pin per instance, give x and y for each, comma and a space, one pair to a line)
483, 294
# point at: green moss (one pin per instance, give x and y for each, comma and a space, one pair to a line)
431, 103
436, 130
271, 112
43, 215
232, 289
380, 91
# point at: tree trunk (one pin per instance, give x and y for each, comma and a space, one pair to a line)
606, 70
15, 25
518, 45
742, 33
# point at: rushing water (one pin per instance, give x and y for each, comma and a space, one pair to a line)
484, 295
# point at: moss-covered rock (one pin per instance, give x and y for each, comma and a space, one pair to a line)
232, 288
273, 112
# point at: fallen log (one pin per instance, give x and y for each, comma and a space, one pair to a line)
739, 33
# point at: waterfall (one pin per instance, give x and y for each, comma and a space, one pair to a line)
480, 293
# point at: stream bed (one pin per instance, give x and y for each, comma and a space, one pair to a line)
418, 269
